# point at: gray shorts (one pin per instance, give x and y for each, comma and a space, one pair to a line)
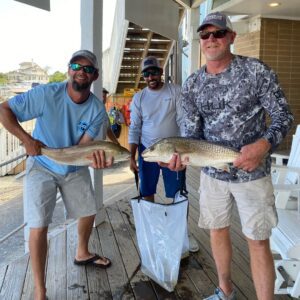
254, 199
40, 191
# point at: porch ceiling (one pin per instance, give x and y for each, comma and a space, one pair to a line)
288, 9
43, 4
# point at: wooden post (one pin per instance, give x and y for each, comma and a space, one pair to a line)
91, 39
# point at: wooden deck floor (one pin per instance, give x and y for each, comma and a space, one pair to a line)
116, 239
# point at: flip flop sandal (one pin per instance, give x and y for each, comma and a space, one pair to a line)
92, 261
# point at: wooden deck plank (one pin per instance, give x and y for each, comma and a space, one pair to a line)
186, 286
139, 282
127, 248
14, 279
163, 294
98, 284
28, 290
201, 274
239, 242
2, 275
77, 286
116, 239
238, 273
126, 211
186, 289
194, 270
117, 275
56, 275
239, 278
241, 274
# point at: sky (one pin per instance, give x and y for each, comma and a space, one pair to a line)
47, 38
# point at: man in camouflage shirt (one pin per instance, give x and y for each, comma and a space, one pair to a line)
226, 102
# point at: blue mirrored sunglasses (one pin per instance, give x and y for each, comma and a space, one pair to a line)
86, 69
153, 73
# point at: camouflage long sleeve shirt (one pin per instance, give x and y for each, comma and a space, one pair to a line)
230, 108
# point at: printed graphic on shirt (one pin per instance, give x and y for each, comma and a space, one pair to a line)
230, 108
82, 126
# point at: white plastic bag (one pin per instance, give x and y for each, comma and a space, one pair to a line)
162, 237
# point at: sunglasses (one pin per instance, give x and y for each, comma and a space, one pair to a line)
153, 73
86, 69
218, 34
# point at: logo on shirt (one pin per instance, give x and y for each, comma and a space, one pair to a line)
210, 107
82, 126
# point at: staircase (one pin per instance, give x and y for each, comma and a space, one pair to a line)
139, 30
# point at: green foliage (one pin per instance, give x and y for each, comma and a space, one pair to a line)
3, 78
57, 77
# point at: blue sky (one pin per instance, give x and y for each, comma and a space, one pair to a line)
47, 38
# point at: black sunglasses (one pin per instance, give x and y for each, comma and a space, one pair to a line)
218, 34
86, 69
153, 73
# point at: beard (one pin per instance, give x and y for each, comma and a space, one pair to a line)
154, 84
80, 87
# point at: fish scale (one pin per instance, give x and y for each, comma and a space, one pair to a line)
80, 155
198, 152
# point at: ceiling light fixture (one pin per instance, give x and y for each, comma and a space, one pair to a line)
274, 4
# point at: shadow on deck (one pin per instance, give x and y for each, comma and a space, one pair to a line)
116, 239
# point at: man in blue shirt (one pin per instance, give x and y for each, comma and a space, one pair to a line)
66, 114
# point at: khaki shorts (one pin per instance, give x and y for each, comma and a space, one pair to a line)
40, 190
255, 203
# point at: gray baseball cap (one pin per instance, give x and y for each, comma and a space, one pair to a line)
150, 62
86, 54
216, 19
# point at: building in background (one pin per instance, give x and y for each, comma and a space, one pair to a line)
30, 73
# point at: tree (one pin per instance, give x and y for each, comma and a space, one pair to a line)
3, 78
57, 77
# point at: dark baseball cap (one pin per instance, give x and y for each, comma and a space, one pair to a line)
216, 19
90, 56
150, 62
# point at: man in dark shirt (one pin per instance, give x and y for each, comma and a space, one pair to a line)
226, 101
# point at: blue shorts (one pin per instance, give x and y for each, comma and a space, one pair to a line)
149, 175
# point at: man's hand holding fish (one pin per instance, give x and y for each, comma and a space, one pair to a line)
99, 160
33, 147
175, 164
252, 155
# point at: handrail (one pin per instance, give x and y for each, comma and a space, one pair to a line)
12, 160
12, 232
58, 198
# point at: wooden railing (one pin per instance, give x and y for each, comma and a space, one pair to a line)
11, 151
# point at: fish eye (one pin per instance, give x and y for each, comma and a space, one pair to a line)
151, 148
